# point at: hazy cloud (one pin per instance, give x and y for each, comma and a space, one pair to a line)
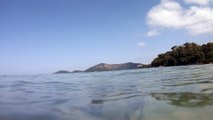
152, 33
199, 2
142, 44
196, 18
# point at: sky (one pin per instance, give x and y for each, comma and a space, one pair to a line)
44, 36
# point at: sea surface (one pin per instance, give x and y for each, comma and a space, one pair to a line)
171, 93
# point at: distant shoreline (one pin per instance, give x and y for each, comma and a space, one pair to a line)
187, 54
141, 68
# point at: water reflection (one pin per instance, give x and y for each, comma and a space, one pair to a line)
185, 99
123, 109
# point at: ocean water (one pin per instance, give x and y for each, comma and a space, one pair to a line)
172, 93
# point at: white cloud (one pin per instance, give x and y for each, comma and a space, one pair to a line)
198, 2
142, 44
152, 33
170, 14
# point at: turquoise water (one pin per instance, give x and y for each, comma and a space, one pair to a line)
173, 93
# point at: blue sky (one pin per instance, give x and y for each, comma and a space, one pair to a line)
43, 36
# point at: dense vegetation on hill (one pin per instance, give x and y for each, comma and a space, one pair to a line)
187, 54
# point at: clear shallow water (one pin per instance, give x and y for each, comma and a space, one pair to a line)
174, 93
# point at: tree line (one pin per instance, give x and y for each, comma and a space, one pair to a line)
187, 54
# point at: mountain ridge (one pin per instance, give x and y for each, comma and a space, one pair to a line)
107, 67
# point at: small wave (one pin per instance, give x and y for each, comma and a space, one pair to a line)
189, 83
185, 99
101, 101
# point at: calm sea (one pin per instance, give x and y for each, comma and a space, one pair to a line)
173, 93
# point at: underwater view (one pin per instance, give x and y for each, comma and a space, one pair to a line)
165, 93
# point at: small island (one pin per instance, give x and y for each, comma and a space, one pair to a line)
76, 71
62, 72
